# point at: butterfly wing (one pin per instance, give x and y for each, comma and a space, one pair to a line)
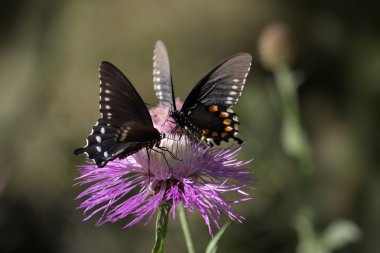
125, 125
119, 101
208, 108
162, 80
222, 85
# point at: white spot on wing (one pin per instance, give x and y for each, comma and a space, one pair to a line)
108, 107
107, 99
98, 139
98, 148
232, 93
234, 87
236, 80
105, 154
157, 72
102, 130
158, 79
107, 91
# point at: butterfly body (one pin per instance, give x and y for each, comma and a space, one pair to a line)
207, 113
125, 126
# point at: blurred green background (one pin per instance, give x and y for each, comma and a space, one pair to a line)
49, 56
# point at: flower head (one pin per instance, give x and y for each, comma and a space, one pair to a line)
275, 46
196, 177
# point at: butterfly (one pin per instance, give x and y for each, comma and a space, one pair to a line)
207, 112
124, 126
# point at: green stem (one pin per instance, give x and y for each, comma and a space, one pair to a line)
186, 229
161, 225
293, 136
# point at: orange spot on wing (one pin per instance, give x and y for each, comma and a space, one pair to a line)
227, 122
224, 114
228, 129
213, 108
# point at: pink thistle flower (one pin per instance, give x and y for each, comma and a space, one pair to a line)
136, 186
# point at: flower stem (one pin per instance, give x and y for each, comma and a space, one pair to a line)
186, 229
161, 225
293, 135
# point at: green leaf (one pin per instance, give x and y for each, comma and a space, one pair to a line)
213, 244
340, 233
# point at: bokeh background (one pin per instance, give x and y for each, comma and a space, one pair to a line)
49, 56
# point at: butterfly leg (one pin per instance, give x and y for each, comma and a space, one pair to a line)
170, 153
166, 160
167, 120
147, 152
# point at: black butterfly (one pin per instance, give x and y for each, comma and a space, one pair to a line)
125, 125
207, 111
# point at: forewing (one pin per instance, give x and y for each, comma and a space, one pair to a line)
119, 101
162, 79
222, 85
125, 125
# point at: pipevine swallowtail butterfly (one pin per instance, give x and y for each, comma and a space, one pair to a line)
207, 112
124, 126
